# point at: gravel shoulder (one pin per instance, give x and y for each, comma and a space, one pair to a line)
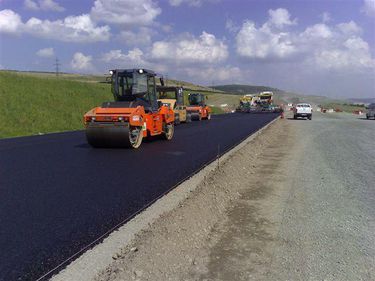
296, 203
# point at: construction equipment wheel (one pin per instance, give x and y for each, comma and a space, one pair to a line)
135, 137
177, 119
109, 135
168, 131
196, 117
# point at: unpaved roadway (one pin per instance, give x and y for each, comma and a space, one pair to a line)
296, 203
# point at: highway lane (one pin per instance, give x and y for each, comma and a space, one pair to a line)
57, 194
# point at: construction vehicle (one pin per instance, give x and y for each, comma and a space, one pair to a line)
134, 115
247, 102
174, 97
198, 108
265, 98
260, 103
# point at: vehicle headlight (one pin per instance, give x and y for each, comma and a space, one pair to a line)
136, 118
93, 119
121, 118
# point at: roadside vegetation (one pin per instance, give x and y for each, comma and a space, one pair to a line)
35, 103
345, 107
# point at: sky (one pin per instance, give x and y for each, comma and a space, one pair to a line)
321, 47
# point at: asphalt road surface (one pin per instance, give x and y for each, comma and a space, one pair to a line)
57, 194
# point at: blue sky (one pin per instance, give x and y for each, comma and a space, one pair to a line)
308, 46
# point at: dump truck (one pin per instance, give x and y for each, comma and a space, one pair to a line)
174, 97
197, 107
134, 114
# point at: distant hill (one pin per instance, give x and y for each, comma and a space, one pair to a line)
281, 96
245, 89
364, 100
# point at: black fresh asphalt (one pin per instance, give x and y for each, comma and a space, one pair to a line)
57, 194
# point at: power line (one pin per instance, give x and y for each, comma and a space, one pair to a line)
57, 65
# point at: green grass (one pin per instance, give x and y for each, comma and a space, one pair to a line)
345, 107
217, 110
32, 104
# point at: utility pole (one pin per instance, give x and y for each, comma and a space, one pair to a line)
166, 79
57, 65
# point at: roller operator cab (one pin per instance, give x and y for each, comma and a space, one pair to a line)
134, 114
198, 108
174, 97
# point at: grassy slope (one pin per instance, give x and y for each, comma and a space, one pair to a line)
32, 104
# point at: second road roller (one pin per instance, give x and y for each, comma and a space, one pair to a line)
134, 115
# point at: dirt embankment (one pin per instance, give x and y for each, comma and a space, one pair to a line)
195, 240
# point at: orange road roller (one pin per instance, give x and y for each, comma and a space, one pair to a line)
198, 108
135, 114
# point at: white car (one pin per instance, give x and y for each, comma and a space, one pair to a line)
303, 110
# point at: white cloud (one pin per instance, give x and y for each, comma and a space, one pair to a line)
190, 50
50, 5
267, 41
10, 22
263, 43
71, 29
338, 48
326, 17
231, 26
349, 28
320, 46
46, 53
131, 38
280, 18
317, 32
369, 7
222, 74
45, 5
31, 5
193, 3
353, 54
81, 62
133, 57
125, 12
